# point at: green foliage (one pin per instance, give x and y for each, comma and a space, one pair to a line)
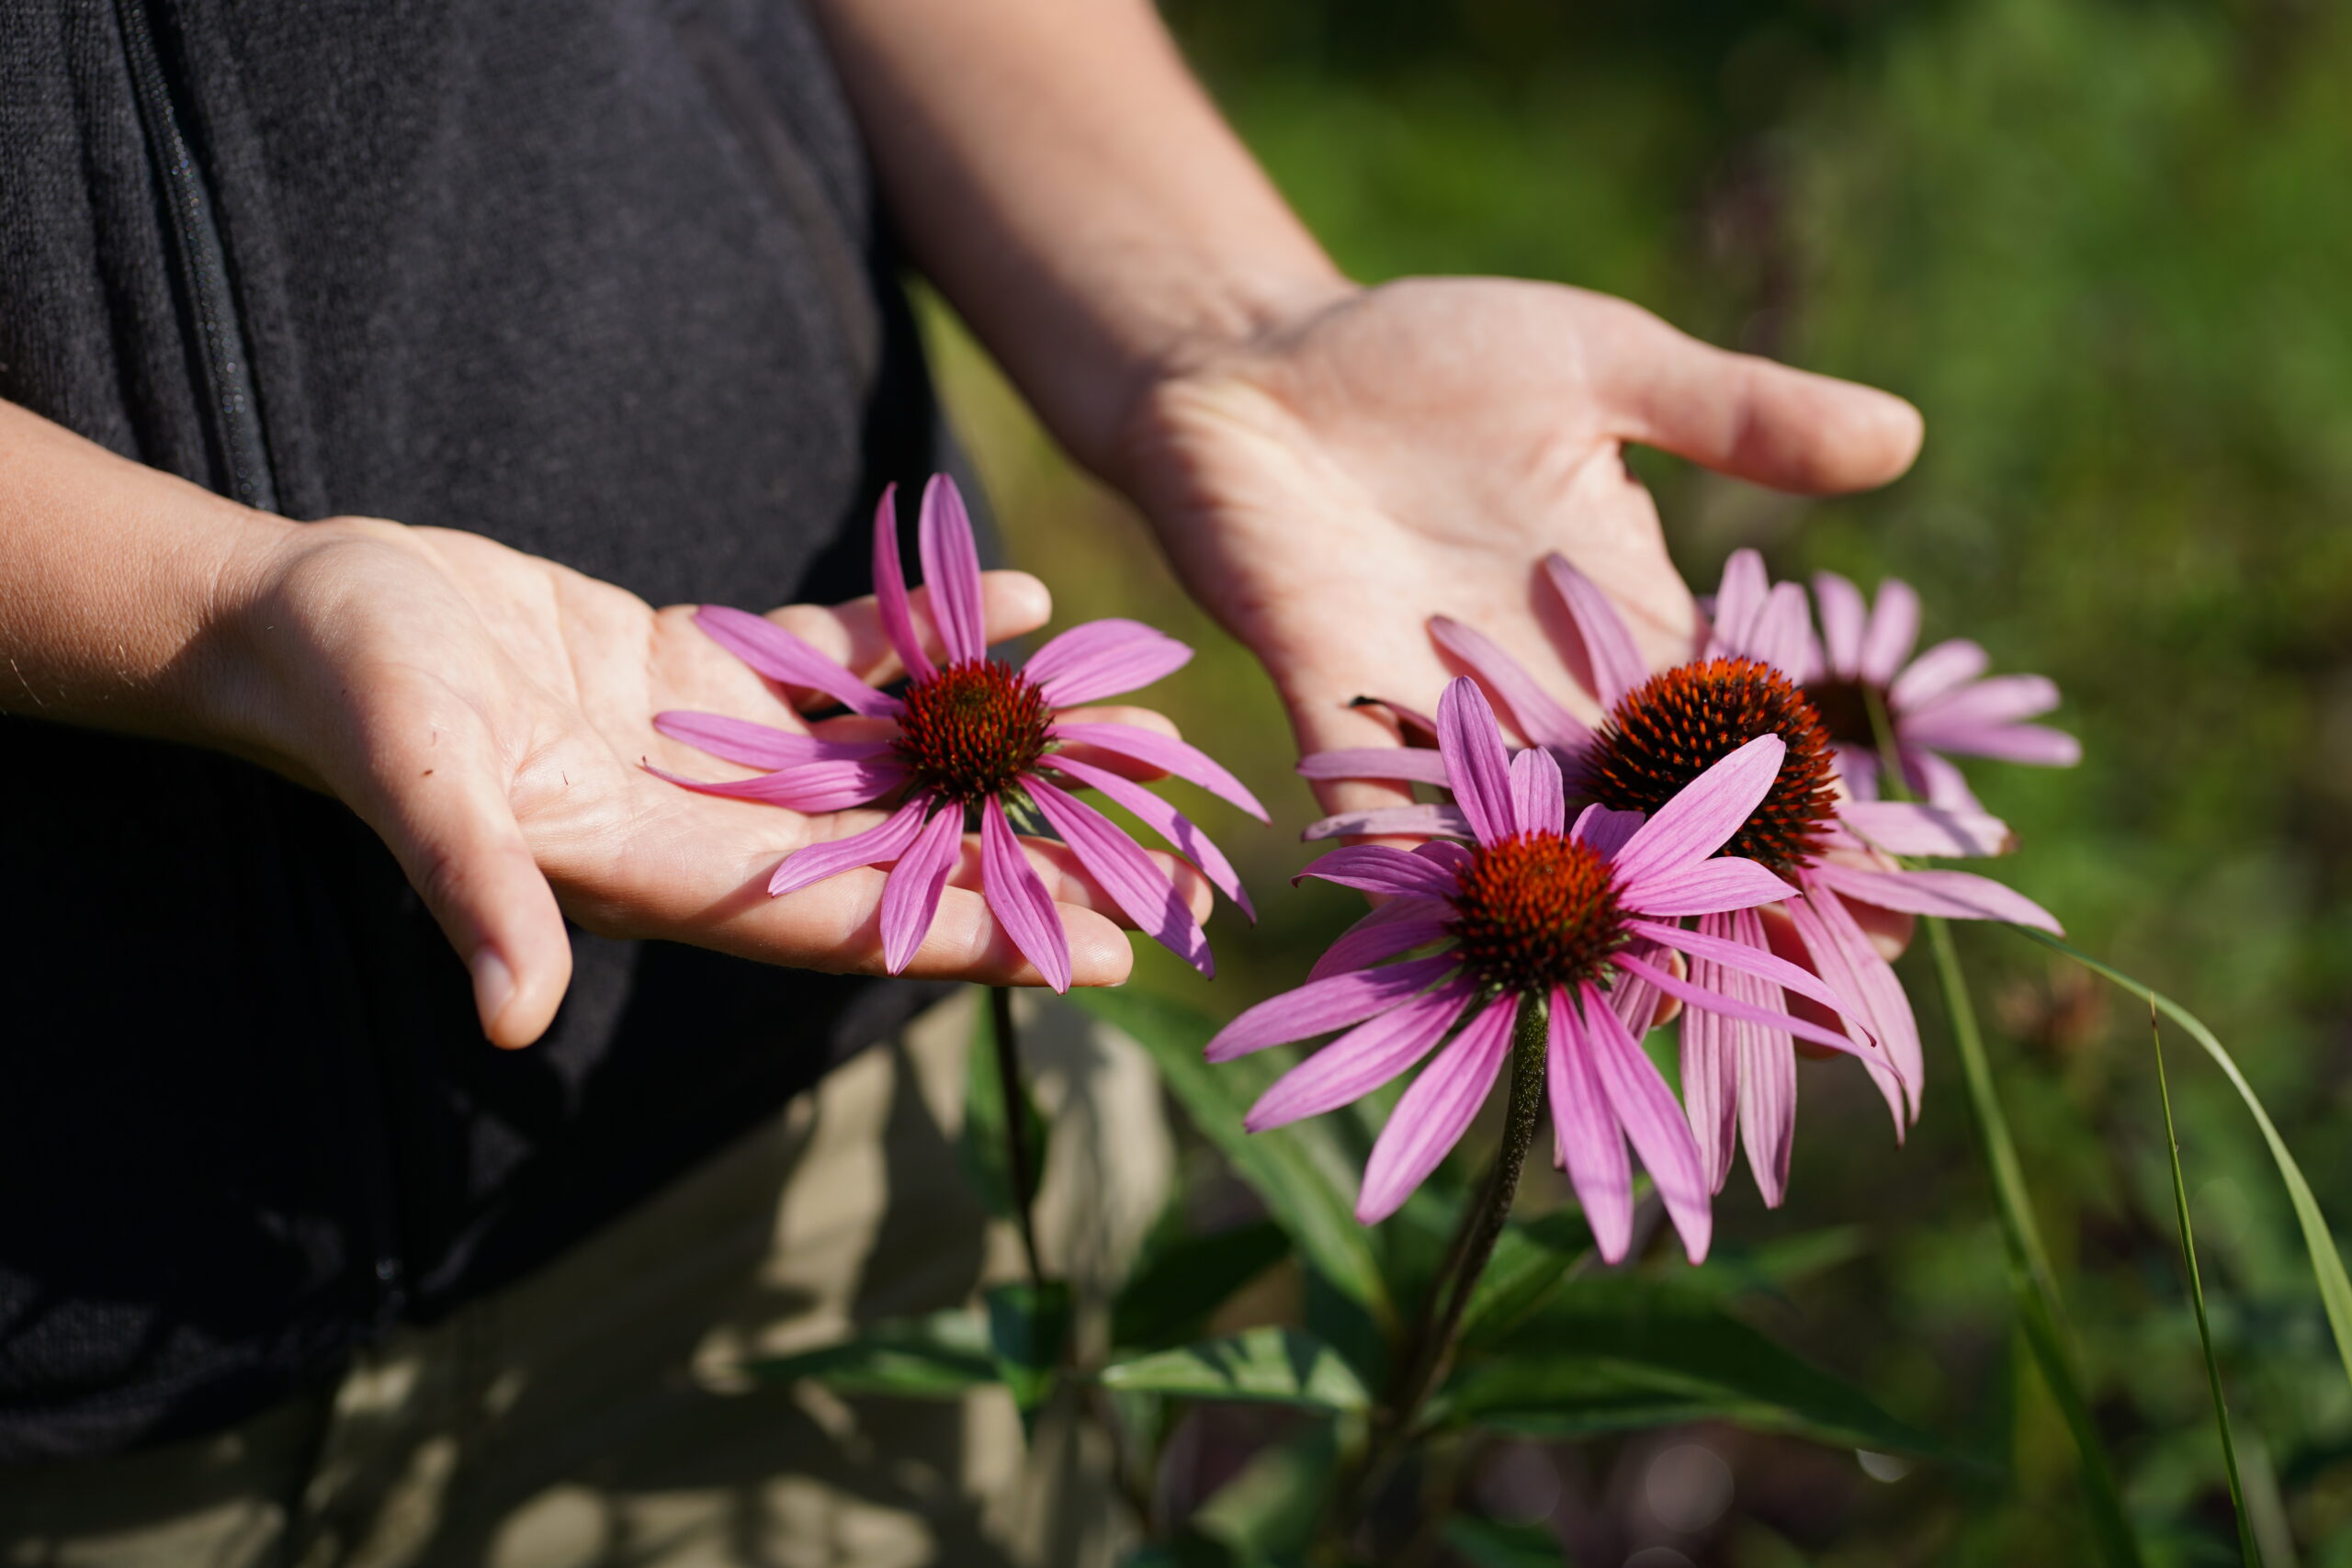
1492, 1543
982, 1144
942, 1356
1268, 1366
1029, 1335
1175, 1289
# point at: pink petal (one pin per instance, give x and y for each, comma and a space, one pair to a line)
1767, 1107
1653, 1122
1320, 1005
1712, 1044
1429, 1121
1412, 763
1938, 780
890, 589
759, 745
1617, 666
1902, 828
780, 656
810, 787
1704, 814
1454, 857
1104, 659
1893, 628
1019, 898
885, 842
951, 570
1389, 821
2002, 699
1716, 1001
1635, 1001
1739, 603
1126, 873
2035, 744
1842, 619
1377, 868
1782, 633
1727, 882
1384, 933
1874, 998
910, 897
1606, 830
1954, 895
1362, 1059
1754, 958
1472, 744
1943, 668
1538, 804
1165, 820
1158, 750
1590, 1143
1538, 714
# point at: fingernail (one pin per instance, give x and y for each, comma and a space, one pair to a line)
493, 986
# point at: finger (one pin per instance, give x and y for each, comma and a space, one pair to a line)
1749, 417
1338, 727
1011, 603
1068, 882
835, 925
448, 820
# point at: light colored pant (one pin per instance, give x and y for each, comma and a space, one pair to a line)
591, 1414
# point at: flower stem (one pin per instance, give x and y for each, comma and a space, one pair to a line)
1016, 1126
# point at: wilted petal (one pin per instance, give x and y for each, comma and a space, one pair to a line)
1362, 1059
1321, 1006
1429, 1118
1617, 666
951, 570
1154, 749
910, 897
781, 656
1104, 659
1537, 713
1126, 873
1019, 898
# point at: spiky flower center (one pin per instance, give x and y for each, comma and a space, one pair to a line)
1845, 709
1536, 910
972, 730
1677, 725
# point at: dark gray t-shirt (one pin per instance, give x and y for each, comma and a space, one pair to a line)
603, 279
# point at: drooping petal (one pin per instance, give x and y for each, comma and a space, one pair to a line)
1954, 895
1377, 868
1946, 667
1767, 1100
1843, 954
1362, 1059
1727, 882
780, 656
1591, 1145
1904, 828
1104, 658
1154, 749
1653, 1122
1320, 1005
1716, 1001
1617, 666
1739, 603
1754, 958
1710, 1055
1018, 897
1412, 763
1399, 926
1843, 618
1399, 820
1126, 873
1429, 1118
1635, 1000
1475, 764
2036, 745
1704, 814
1893, 628
885, 842
759, 745
1606, 830
890, 589
1537, 713
811, 786
951, 570
1164, 819
910, 897
1538, 803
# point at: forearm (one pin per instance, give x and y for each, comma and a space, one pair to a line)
1066, 183
115, 581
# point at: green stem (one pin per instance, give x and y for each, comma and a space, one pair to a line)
1016, 1126
2246, 1547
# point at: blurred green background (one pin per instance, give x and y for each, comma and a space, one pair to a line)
2107, 246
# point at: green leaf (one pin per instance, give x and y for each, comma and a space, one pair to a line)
942, 1356
1175, 1289
1294, 1171
1271, 1507
1490, 1543
1268, 1366
1028, 1332
1620, 1352
1530, 1259
983, 1145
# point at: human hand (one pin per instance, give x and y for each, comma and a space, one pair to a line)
489, 714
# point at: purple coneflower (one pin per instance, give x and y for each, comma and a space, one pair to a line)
1534, 914
1663, 730
967, 736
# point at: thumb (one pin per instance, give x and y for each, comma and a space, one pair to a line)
449, 822
1749, 417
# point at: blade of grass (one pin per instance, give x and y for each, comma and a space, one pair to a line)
2252, 1553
